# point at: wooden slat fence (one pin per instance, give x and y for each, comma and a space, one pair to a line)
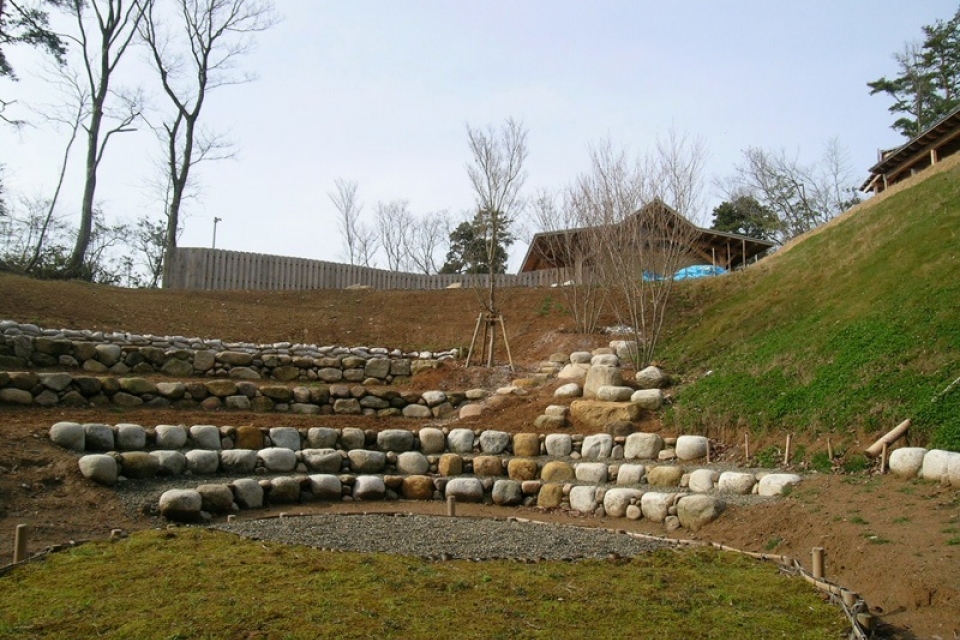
212, 269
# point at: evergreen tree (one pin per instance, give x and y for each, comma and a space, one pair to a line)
468, 248
746, 216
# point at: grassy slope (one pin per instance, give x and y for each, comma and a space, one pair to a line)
855, 327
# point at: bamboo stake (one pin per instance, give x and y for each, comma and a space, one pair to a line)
817, 567
746, 445
829, 449
786, 452
451, 506
473, 341
888, 438
506, 342
20, 543
883, 459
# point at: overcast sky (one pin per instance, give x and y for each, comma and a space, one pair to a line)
380, 92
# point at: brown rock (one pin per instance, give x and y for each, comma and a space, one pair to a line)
556, 471
450, 464
526, 445
596, 414
550, 496
664, 476
521, 469
248, 437
487, 466
417, 488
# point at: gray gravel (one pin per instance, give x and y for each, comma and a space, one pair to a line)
442, 537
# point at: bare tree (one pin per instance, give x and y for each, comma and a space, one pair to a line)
395, 226
427, 236
194, 58
359, 239
102, 40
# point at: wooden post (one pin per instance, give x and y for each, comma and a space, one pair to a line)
888, 438
817, 562
506, 343
883, 459
786, 452
849, 597
451, 506
746, 445
473, 341
829, 449
20, 543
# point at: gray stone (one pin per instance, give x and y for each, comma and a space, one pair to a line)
352, 438
365, 461
494, 442
432, 440
630, 474
460, 441
692, 447
736, 482
176, 368
592, 472
583, 499
138, 465
108, 354
131, 437
68, 435
181, 505
171, 436
601, 376
171, 390
277, 459
235, 358
651, 377
697, 511
369, 488
774, 484
906, 462
238, 460
649, 399
322, 437
581, 357
98, 437
326, 486
626, 350
412, 463
558, 445
56, 381
396, 440
418, 411
216, 498
286, 437
465, 489
609, 393
284, 490
205, 436
569, 390
642, 446
703, 480
99, 468
434, 398
616, 501
507, 493
202, 461
322, 460
656, 506
15, 396
573, 372
244, 373
377, 368
247, 493
936, 465
240, 403
598, 445
171, 463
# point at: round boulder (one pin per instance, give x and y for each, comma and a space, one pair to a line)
736, 482
285, 437
171, 436
432, 440
202, 461
774, 484
98, 437
369, 488
284, 490
494, 442
326, 486
417, 488
642, 446
692, 447
656, 506
205, 436
365, 461
616, 501
507, 493
181, 505
322, 460
697, 511
556, 471
465, 489
583, 499
664, 476
599, 445
905, 463
396, 440
216, 498
247, 493
138, 465
703, 480
238, 460
412, 463
172, 463
68, 435
100, 468
278, 459
131, 437
460, 441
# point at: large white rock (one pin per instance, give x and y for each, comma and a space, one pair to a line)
247, 493
936, 465
583, 499
100, 468
238, 460
322, 437
181, 505
171, 436
630, 474
573, 372
507, 492
953, 471
366, 461
581, 357
703, 480
460, 441
205, 436
494, 442
605, 360
68, 435
285, 437
598, 445
627, 350
278, 459
773, 484
616, 501
593, 472
905, 463
736, 482
432, 440
651, 378
465, 489
417, 411
655, 506
649, 399
202, 461
326, 486
131, 437
611, 393
434, 398
322, 460
569, 390
172, 463
642, 446
696, 511
692, 447
412, 463
284, 490
601, 376
558, 445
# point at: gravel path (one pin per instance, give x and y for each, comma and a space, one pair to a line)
442, 537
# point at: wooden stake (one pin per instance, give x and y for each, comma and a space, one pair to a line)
888, 438
451, 506
746, 445
849, 597
20, 543
786, 452
506, 342
883, 459
829, 449
473, 340
817, 562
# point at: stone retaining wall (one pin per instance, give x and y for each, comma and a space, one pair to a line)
64, 389
27, 345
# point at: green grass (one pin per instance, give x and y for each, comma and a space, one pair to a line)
853, 329
858, 520
191, 583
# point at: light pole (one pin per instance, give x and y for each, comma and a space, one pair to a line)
215, 221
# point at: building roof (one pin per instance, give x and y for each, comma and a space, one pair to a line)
944, 133
541, 254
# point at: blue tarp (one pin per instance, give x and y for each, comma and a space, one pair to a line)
699, 271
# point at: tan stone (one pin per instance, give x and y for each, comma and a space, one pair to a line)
596, 414
526, 445
664, 476
248, 437
450, 464
550, 496
487, 466
555, 471
521, 469
221, 388
417, 488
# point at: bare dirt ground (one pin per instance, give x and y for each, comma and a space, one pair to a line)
897, 543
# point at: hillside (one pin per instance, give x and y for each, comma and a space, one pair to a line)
853, 328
